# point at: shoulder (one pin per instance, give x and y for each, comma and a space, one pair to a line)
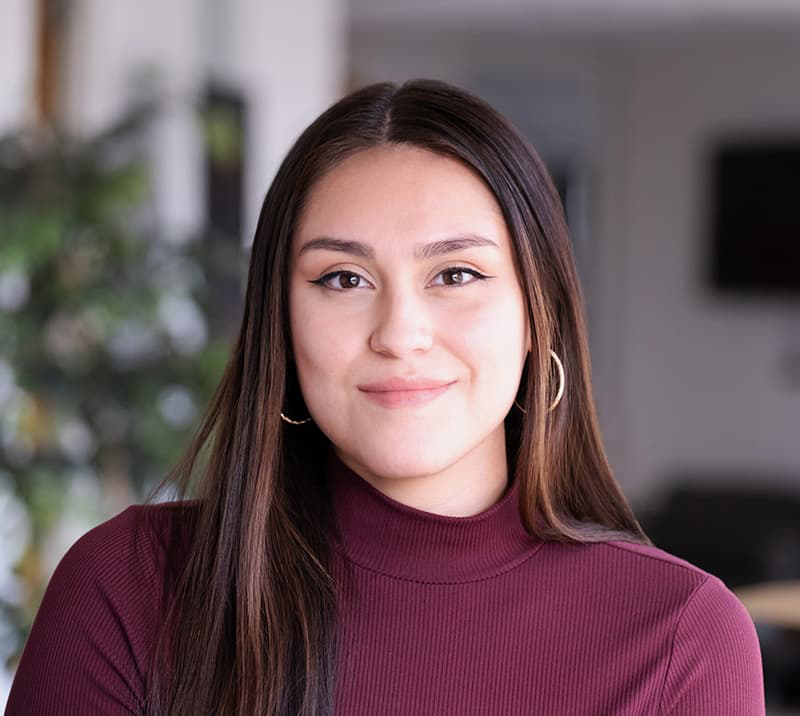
134, 539
649, 558
714, 662
116, 555
642, 581
702, 603
98, 618
625, 571
125, 555
705, 602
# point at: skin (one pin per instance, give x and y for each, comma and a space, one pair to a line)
405, 316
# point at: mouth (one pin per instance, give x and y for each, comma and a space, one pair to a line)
407, 397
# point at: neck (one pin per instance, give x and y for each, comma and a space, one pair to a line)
471, 485
381, 534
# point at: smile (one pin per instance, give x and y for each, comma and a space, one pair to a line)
402, 398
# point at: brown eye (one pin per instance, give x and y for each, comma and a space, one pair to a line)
346, 280
457, 274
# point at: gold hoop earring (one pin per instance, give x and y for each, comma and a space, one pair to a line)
289, 420
561, 382
294, 422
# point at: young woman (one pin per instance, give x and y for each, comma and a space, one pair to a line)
403, 505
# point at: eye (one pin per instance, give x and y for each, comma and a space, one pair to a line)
457, 274
349, 279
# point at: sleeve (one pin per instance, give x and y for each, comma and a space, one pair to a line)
85, 653
715, 667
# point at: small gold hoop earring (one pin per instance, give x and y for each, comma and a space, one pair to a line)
561, 382
294, 422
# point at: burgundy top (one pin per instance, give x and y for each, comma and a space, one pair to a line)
438, 615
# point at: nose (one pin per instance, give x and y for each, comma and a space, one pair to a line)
402, 325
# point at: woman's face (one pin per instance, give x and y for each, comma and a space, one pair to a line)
385, 286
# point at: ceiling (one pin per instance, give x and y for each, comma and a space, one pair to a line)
574, 15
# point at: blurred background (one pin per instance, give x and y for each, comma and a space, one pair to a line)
138, 140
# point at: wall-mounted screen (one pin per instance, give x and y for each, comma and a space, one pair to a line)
755, 217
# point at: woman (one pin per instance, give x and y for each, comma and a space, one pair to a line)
404, 506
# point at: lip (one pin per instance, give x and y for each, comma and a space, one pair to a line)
397, 392
404, 384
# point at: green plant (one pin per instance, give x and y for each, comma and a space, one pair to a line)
108, 351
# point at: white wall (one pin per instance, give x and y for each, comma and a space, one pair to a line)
683, 380
289, 60
705, 384
110, 44
17, 54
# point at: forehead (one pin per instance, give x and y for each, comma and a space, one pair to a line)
400, 192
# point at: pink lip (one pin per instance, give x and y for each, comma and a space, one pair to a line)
397, 392
404, 384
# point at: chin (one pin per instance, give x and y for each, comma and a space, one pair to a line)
411, 463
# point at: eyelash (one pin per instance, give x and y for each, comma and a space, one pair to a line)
322, 280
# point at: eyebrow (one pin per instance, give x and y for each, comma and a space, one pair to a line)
421, 251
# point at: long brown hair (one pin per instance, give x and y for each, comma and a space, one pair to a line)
249, 604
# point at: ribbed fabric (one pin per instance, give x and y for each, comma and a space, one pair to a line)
90, 642
451, 615
437, 616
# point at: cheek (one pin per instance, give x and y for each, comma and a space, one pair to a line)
499, 349
322, 344
494, 327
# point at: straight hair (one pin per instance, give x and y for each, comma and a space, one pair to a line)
248, 603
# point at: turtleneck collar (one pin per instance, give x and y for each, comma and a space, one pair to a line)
384, 535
